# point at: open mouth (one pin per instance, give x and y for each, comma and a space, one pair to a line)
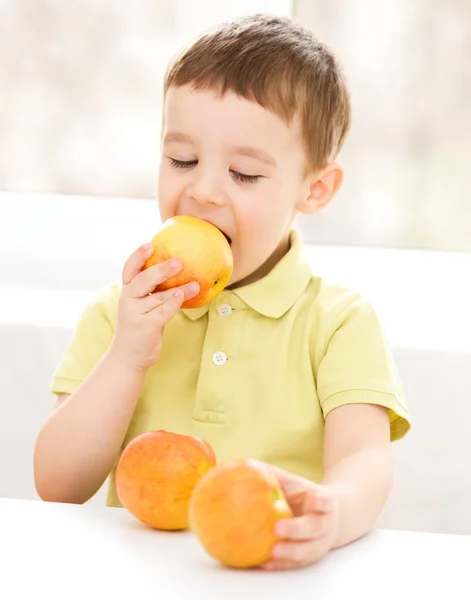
228, 238
229, 241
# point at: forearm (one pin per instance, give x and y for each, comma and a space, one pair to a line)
360, 484
78, 444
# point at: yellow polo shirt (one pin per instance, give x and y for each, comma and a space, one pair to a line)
255, 372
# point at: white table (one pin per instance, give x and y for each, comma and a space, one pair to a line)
64, 551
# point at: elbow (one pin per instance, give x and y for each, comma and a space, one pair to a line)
386, 466
49, 491
51, 486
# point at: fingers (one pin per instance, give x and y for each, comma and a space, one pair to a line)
307, 527
292, 484
292, 555
280, 565
299, 552
136, 262
145, 282
171, 304
318, 500
154, 301
302, 495
307, 538
310, 534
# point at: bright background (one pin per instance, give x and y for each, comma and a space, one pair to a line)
80, 105
80, 115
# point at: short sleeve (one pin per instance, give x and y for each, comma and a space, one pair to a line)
92, 337
357, 366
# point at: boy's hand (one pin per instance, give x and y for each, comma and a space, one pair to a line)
142, 314
312, 532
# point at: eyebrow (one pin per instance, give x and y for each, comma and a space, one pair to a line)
252, 152
173, 136
256, 153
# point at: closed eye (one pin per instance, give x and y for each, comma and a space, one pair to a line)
188, 164
183, 164
245, 178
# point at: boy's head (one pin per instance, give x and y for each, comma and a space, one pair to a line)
255, 114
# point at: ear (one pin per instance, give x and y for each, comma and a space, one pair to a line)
322, 187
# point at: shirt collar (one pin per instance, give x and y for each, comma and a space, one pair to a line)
274, 294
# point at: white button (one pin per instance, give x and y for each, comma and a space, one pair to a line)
224, 310
219, 358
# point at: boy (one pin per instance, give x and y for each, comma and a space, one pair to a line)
282, 366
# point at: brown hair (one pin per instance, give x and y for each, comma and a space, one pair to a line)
280, 65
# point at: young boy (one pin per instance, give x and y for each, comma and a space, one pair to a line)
282, 366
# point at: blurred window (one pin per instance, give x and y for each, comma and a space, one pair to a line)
80, 105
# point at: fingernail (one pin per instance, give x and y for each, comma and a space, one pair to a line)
194, 287
175, 263
147, 247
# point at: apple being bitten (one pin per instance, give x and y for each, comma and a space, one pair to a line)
205, 254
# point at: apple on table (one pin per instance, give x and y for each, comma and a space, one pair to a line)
156, 475
233, 511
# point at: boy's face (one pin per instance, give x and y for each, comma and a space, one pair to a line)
236, 165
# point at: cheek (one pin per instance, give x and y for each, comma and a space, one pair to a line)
267, 213
168, 192
252, 218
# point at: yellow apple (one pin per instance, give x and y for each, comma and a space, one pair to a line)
205, 254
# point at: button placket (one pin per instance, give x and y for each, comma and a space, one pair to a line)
216, 379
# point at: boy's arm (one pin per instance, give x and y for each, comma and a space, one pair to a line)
357, 466
357, 479
78, 444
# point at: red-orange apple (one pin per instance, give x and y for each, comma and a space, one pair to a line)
156, 474
205, 254
233, 511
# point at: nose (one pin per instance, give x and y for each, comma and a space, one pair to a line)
206, 188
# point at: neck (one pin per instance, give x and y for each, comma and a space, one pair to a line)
267, 266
